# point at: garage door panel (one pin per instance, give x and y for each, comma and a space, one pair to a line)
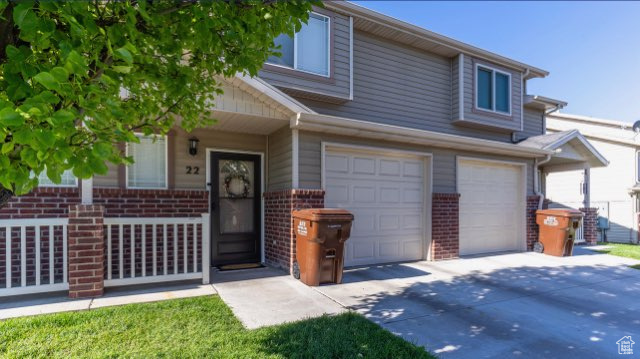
386, 195
491, 203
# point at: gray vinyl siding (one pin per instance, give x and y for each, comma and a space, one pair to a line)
279, 173
455, 89
403, 86
339, 87
480, 117
533, 123
444, 160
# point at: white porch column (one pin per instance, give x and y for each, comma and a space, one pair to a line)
87, 191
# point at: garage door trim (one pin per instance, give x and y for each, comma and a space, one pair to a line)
523, 193
428, 179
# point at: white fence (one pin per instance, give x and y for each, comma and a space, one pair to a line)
580, 233
150, 250
34, 252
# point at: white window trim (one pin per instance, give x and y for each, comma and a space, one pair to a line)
295, 53
637, 167
59, 185
493, 89
166, 164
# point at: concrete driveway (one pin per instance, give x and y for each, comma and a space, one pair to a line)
510, 305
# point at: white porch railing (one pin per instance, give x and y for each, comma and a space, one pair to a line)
151, 250
34, 256
580, 233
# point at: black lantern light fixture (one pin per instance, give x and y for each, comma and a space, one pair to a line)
193, 146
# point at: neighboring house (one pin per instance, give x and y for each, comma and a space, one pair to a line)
614, 190
422, 137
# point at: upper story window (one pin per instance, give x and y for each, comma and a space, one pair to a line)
308, 50
493, 90
149, 169
67, 180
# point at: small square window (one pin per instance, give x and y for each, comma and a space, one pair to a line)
149, 169
493, 90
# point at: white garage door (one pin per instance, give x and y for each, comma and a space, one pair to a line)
491, 207
386, 195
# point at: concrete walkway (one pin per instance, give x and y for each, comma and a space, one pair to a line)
54, 303
267, 296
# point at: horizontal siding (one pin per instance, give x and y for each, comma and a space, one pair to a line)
340, 65
444, 160
403, 86
209, 138
279, 168
533, 123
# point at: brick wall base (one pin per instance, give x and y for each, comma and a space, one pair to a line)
532, 226
445, 233
43, 202
590, 225
151, 203
86, 251
279, 237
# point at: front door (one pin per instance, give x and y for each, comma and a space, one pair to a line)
235, 208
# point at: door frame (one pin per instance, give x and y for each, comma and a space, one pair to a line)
209, 150
427, 159
523, 171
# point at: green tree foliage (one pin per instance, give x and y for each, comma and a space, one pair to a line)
64, 68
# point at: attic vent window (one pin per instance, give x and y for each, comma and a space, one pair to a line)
307, 50
493, 90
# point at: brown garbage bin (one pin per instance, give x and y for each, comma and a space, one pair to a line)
557, 231
320, 236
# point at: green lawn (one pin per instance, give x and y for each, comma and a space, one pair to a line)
621, 250
194, 327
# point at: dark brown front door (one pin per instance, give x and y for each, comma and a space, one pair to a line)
235, 208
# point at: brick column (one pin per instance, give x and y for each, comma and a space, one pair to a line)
86, 251
532, 226
279, 237
590, 225
445, 233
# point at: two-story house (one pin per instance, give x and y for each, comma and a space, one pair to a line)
433, 144
613, 190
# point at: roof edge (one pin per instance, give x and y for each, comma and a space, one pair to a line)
275, 94
442, 40
596, 120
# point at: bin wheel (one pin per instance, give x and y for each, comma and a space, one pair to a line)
296, 270
538, 247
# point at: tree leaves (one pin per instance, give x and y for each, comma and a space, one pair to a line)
79, 78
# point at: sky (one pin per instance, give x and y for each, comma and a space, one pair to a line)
591, 49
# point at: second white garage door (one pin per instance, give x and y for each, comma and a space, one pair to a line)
386, 194
492, 207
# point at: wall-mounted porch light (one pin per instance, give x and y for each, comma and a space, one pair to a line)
193, 146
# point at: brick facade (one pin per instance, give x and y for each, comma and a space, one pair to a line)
590, 225
43, 202
532, 226
445, 233
279, 237
86, 251
151, 203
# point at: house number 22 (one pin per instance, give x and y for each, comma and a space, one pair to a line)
193, 170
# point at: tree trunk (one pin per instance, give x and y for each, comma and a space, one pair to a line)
5, 197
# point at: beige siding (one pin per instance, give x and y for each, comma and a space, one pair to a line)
339, 86
279, 160
209, 138
471, 113
403, 86
444, 160
240, 101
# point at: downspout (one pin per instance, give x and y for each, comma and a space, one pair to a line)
537, 164
536, 179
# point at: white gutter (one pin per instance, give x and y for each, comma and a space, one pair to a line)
371, 130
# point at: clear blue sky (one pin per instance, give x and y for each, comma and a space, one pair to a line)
591, 49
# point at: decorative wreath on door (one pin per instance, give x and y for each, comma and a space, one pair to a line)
236, 179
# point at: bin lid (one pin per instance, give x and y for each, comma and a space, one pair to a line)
323, 214
560, 212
